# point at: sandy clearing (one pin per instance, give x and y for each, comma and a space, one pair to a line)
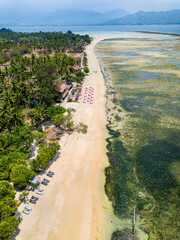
71, 206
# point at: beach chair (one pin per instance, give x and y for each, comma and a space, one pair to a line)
28, 208
49, 175
51, 172
46, 180
44, 183
34, 198
40, 189
32, 201
26, 212
40, 193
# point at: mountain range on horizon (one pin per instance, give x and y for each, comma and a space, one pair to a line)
89, 17
148, 18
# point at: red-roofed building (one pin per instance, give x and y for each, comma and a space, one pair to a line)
63, 89
76, 68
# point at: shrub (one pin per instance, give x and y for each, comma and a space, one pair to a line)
40, 136
20, 175
52, 111
40, 129
45, 154
83, 127
86, 70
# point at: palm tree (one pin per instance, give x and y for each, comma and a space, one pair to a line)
10, 117
38, 114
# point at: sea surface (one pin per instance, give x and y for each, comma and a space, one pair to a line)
142, 71
100, 28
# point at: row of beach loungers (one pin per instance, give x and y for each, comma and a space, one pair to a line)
89, 95
34, 199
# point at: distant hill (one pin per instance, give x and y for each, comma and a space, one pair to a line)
82, 17
148, 18
116, 13
75, 17
62, 17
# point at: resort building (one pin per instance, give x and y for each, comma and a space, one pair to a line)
64, 89
76, 68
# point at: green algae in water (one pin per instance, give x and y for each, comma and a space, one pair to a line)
144, 154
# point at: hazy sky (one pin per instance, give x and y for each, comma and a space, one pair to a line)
98, 5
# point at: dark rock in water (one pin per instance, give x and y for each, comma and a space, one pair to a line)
125, 234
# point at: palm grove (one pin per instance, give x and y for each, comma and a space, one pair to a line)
33, 64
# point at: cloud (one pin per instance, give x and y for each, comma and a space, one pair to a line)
99, 5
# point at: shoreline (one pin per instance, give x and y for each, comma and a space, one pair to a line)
160, 33
72, 204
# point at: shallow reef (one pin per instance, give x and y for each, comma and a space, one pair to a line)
144, 132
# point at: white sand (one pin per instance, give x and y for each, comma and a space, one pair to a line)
71, 206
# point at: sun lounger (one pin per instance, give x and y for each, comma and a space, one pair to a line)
51, 172
34, 198
32, 201
28, 208
40, 193
44, 183
49, 175
46, 180
26, 212
40, 189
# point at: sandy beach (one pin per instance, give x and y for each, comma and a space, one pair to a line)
71, 205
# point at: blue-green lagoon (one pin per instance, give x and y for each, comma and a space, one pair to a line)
143, 71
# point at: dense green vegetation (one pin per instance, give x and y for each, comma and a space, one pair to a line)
45, 154
124, 235
20, 175
12, 43
29, 88
152, 164
7, 207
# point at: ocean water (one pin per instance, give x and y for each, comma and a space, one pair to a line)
100, 28
143, 70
